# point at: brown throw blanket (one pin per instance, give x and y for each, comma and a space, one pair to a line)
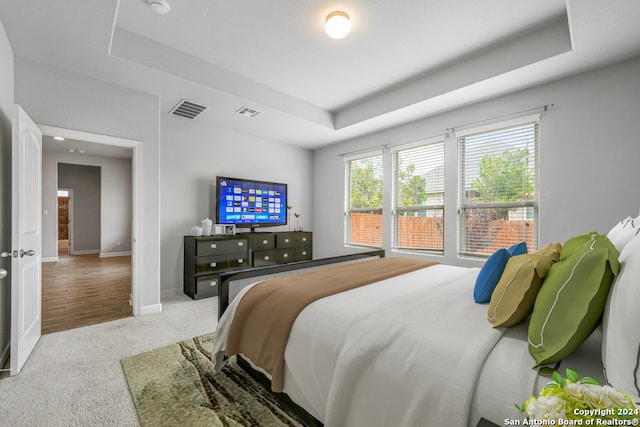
264, 317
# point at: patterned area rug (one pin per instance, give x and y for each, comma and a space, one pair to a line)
176, 386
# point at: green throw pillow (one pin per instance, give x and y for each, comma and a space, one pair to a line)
579, 243
571, 300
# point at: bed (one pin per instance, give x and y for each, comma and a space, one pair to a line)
416, 349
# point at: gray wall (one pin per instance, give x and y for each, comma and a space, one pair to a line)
178, 168
58, 98
115, 203
6, 112
193, 154
85, 182
589, 151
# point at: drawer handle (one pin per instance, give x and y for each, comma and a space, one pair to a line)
286, 240
213, 283
213, 264
266, 258
240, 243
264, 242
286, 255
304, 239
240, 260
213, 246
304, 252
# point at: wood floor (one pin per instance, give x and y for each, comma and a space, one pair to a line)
82, 290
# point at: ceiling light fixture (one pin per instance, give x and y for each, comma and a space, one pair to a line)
160, 7
337, 24
58, 138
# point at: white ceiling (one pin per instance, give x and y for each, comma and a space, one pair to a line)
402, 61
80, 148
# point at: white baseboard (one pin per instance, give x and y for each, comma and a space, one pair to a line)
110, 254
50, 259
150, 309
87, 252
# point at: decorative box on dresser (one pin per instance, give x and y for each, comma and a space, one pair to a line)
205, 257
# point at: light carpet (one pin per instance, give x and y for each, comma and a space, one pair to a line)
74, 378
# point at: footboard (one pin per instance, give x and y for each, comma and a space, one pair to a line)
246, 277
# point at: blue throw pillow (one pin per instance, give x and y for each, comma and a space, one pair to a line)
518, 249
489, 275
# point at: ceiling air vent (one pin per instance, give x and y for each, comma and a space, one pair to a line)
252, 113
188, 109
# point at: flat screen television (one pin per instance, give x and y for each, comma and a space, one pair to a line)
250, 203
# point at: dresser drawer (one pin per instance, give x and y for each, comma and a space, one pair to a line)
235, 262
303, 238
262, 258
218, 247
303, 253
207, 286
285, 240
291, 239
286, 255
263, 241
210, 264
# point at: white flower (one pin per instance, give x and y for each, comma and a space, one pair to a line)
596, 398
547, 408
576, 390
618, 399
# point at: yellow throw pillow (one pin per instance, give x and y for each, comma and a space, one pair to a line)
515, 294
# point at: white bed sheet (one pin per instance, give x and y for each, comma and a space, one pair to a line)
344, 375
508, 377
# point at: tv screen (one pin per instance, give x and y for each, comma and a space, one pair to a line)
250, 203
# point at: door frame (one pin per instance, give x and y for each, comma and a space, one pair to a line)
136, 164
70, 217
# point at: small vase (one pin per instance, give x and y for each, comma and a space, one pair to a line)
206, 231
196, 231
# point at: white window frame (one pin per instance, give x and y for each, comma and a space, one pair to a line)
529, 206
347, 202
438, 209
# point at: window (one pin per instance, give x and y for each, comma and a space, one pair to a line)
363, 204
498, 187
418, 197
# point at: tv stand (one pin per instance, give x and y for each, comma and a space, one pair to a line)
205, 257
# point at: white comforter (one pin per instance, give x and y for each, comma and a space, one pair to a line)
405, 351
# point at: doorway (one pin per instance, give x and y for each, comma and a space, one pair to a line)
65, 221
91, 283
100, 143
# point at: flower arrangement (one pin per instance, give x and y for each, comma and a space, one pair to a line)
207, 224
297, 215
575, 401
289, 207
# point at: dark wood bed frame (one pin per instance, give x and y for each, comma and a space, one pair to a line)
227, 277
223, 302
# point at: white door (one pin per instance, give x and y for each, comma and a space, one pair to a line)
26, 230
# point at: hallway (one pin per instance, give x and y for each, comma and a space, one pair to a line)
82, 290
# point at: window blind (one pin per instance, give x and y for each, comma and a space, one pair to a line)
418, 197
498, 187
363, 204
